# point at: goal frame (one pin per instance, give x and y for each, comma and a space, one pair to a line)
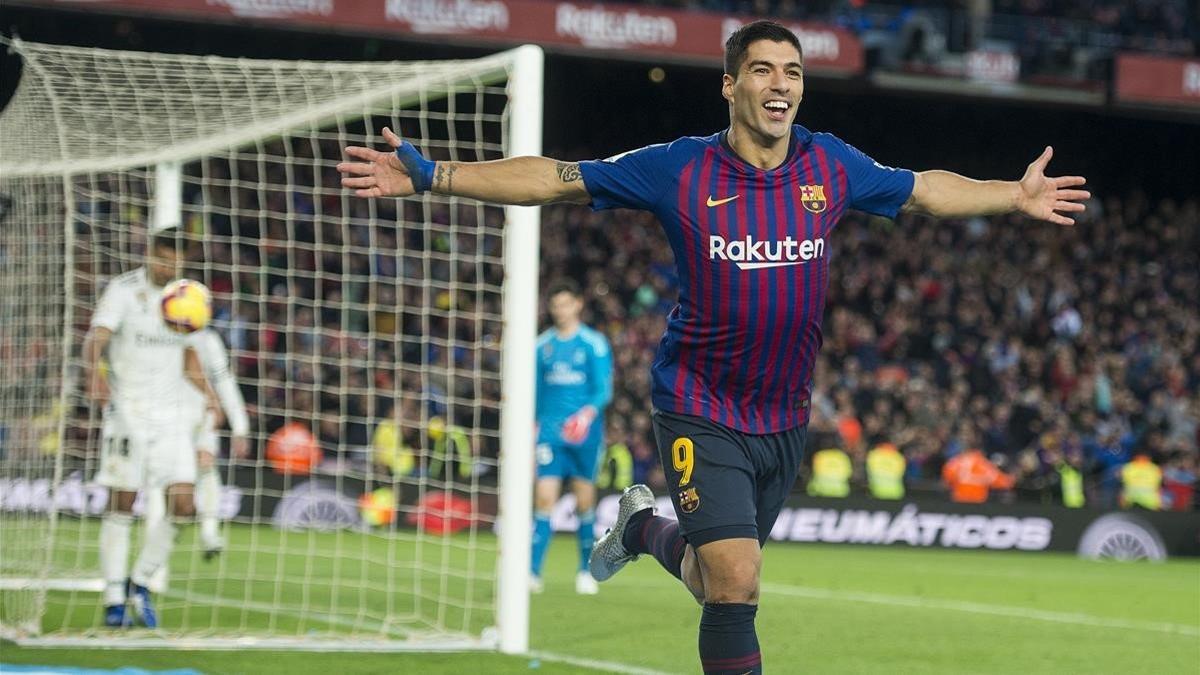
523, 68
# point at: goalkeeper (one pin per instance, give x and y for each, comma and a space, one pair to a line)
574, 385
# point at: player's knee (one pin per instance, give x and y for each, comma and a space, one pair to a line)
585, 495
121, 502
736, 582
746, 594
692, 578
183, 506
544, 503
585, 505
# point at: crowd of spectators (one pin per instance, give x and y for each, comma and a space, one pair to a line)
356, 307
1150, 25
1056, 41
1036, 344
1167, 26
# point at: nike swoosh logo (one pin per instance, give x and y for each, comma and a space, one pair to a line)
718, 202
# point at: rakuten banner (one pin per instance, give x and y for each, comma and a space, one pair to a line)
1157, 79
649, 32
449, 17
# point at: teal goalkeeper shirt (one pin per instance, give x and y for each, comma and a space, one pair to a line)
572, 373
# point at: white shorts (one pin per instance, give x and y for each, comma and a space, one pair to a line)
145, 455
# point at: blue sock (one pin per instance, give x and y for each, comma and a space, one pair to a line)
728, 643
541, 541
587, 537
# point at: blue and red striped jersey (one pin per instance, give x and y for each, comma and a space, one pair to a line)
751, 248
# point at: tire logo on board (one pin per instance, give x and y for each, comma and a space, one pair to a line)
1120, 536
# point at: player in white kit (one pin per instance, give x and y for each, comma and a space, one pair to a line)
150, 418
215, 361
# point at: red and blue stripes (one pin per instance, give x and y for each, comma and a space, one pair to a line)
738, 665
741, 347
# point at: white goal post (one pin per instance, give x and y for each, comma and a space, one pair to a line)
398, 335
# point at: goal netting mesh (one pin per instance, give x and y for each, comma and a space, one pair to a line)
370, 329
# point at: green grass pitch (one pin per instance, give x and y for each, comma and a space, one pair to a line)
824, 609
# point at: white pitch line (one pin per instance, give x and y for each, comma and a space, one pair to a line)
97, 585
266, 608
31, 583
1075, 618
580, 662
593, 664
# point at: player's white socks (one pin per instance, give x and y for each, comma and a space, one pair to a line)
114, 555
208, 499
154, 509
160, 539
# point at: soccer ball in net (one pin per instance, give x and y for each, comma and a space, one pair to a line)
186, 306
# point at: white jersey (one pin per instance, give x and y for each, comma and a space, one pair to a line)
145, 357
215, 361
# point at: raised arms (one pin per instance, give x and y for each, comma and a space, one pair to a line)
947, 194
523, 181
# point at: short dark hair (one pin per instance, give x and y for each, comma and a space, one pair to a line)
563, 286
742, 38
167, 238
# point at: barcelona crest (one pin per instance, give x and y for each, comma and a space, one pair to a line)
689, 501
813, 197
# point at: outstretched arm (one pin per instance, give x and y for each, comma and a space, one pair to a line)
947, 194
523, 181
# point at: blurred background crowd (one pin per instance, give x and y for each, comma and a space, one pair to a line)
1149, 25
1037, 345
1052, 42
1059, 354
1046, 349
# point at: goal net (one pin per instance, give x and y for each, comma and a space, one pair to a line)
373, 342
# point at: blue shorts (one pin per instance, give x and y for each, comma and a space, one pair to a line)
568, 461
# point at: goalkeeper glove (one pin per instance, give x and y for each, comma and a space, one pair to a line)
575, 429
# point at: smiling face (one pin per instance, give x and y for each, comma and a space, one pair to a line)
766, 91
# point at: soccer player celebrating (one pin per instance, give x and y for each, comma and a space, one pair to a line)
149, 419
574, 384
747, 212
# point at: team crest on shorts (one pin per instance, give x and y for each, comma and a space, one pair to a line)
689, 501
813, 197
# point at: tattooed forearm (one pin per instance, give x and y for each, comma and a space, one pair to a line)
438, 175
443, 177
568, 172
523, 181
